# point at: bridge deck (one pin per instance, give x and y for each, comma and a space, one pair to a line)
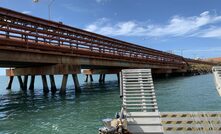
30, 33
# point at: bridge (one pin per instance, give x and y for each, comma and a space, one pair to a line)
34, 46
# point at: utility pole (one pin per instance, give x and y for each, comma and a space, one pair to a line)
49, 7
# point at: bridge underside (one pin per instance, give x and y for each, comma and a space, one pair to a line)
35, 62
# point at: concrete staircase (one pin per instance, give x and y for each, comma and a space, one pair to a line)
140, 101
217, 77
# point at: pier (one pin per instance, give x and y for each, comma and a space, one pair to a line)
32, 46
142, 112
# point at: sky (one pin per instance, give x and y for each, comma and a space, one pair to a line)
191, 28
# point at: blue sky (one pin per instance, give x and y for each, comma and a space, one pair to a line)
188, 27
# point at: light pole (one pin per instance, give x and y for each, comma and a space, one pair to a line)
49, 7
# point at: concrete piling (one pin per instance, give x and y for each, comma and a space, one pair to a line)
103, 78
76, 83
32, 82
25, 82
91, 78
10, 82
86, 80
45, 84
100, 78
53, 86
64, 84
118, 78
20, 82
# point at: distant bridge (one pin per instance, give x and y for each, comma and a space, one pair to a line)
35, 46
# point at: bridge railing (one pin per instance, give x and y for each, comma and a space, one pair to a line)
36, 33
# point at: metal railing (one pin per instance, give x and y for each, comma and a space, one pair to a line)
35, 33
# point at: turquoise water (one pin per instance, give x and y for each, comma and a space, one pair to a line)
35, 113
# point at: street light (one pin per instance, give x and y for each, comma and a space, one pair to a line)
35, 1
49, 7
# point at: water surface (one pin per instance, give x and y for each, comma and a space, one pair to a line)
35, 113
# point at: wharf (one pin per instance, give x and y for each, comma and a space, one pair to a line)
143, 116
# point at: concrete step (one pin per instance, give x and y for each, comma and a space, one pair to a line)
137, 82
145, 104
144, 120
143, 114
142, 97
141, 101
139, 88
145, 129
140, 94
134, 79
137, 77
138, 91
135, 74
142, 108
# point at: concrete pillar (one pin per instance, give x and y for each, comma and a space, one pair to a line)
45, 84
64, 84
53, 86
100, 78
91, 78
25, 82
20, 82
103, 79
118, 78
86, 80
76, 83
10, 82
32, 83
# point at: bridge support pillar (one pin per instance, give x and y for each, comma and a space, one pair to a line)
64, 84
53, 86
25, 82
45, 84
100, 78
10, 82
20, 82
91, 78
86, 79
103, 78
118, 79
32, 83
76, 83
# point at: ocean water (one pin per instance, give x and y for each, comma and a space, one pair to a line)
36, 113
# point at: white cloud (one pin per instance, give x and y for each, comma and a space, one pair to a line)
199, 26
26, 12
214, 32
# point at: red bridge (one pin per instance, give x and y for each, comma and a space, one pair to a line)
35, 46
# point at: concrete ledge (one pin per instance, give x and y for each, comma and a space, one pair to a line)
45, 70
